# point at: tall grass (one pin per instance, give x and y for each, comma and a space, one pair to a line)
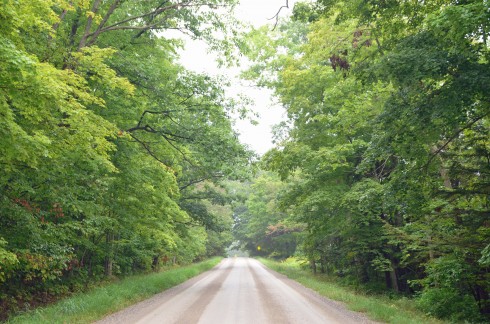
398, 310
102, 301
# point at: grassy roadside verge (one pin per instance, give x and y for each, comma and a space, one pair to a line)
378, 308
101, 301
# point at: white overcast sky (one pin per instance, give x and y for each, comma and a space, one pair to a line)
196, 57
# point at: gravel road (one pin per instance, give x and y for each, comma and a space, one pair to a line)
238, 290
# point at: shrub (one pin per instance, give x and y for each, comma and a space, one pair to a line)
448, 303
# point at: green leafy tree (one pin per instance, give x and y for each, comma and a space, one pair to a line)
387, 140
260, 226
104, 139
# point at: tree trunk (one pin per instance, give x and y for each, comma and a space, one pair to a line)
88, 26
155, 263
108, 14
109, 258
387, 280
313, 266
323, 265
447, 184
482, 297
391, 278
394, 280
363, 273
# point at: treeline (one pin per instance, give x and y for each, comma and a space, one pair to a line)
385, 157
111, 153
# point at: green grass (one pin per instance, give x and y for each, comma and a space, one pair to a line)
399, 310
102, 301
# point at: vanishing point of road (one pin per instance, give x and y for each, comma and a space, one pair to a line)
238, 290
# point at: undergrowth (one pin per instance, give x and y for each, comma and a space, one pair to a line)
102, 301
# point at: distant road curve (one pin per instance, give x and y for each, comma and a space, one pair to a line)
238, 290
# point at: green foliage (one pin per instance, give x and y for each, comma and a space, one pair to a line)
111, 297
485, 259
449, 304
260, 227
446, 291
385, 154
106, 141
9, 262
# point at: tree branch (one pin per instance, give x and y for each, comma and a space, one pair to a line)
62, 16
86, 34
159, 10
155, 12
165, 135
151, 19
276, 16
196, 181
169, 140
452, 138
147, 149
94, 35
166, 113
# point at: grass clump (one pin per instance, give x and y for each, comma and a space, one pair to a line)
386, 309
102, 301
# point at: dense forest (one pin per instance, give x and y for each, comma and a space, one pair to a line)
111, 152
382, 169
116, 160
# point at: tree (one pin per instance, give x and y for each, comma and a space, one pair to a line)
260, 226
387, 140
104, 139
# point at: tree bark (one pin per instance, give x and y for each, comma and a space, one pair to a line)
109, 257
94, 35
394, 277
88, 26
313, 266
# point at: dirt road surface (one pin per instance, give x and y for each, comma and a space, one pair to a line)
238, 290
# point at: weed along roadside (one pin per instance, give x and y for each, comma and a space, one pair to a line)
101, 301
382, 308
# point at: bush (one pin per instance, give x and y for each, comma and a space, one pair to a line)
448, 303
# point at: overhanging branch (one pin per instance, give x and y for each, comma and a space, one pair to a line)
453, 137
196, 181
276, 16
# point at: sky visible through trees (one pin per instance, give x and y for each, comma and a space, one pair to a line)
196, 57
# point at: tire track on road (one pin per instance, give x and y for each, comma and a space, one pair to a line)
273, 311
238, 291
196, 310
